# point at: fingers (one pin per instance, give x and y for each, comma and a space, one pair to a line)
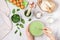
48, 33
47, 30
27, 31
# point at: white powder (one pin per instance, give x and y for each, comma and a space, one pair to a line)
50, 20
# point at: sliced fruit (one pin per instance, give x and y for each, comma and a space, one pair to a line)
14, 2
11, 0
19, 3
22, 6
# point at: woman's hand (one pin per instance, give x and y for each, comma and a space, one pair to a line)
48, 32
30, 37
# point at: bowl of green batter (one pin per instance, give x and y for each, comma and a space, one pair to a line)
36, 28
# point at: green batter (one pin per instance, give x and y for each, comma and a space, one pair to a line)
36, 28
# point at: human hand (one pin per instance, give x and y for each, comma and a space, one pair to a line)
48, 32
30, 37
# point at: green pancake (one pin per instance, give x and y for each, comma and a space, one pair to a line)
36, 28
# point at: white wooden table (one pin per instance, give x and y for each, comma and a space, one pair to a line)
55, 27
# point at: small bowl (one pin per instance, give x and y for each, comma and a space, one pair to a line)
30, 15
38, 14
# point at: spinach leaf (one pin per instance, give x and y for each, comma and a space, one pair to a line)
16, 31
30, 19
18, 9
20, 33
23, 21
13, 11
21, 25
